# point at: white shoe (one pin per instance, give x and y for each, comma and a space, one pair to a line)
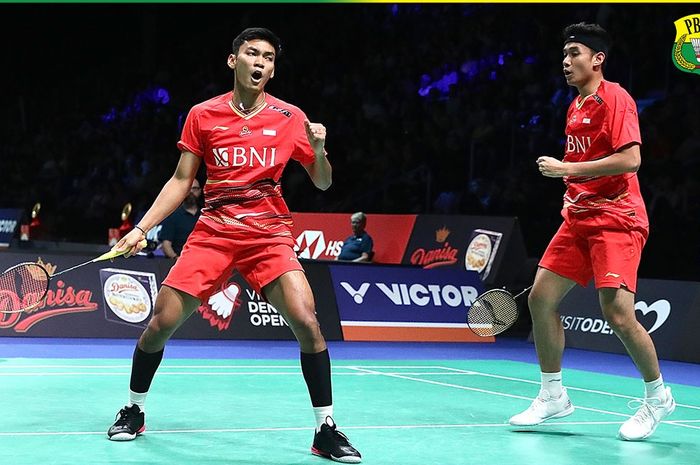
642, 424
544, 407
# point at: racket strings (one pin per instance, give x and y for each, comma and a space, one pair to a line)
22, 287
492, 313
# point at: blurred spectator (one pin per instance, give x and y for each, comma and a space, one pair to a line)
177, 227
358, 247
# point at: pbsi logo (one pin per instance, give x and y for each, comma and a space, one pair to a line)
244, 156
311, 245
686, 46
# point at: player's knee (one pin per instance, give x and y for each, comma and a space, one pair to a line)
620, 322
163, 322
537, 302
306, 326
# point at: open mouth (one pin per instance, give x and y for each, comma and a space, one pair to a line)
567, 73
256, 76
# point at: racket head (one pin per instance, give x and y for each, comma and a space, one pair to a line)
23, 287
492, 313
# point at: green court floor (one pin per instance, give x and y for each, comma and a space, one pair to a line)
56, 411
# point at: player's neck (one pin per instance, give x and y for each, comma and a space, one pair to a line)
590, 87
247, 101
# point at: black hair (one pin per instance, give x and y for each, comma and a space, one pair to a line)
259, 33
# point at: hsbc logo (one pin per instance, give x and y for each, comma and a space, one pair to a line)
662, 309
311, 244
416, 294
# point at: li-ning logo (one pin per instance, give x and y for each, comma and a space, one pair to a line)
686, 46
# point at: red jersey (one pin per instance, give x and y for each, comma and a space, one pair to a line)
245, 155
598, 126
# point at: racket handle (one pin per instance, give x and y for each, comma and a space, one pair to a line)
116, 253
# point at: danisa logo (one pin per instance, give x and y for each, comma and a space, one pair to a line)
440, 256
686, 47
61, 299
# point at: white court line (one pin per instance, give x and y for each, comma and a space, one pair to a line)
435, 367
215, 373
592, 391
485, 391
304, 428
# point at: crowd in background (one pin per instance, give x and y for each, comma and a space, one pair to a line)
429, 109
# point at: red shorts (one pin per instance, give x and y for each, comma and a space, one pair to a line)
600, 245
209, 258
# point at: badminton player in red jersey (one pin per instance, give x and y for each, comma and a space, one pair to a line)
604, 230
245, 138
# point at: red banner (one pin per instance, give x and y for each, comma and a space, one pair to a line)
320, 236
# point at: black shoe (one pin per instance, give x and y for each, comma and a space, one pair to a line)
130, 423
332, 444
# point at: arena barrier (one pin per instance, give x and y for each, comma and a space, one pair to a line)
667, 309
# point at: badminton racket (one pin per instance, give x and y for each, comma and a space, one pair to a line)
24, 286
493, 312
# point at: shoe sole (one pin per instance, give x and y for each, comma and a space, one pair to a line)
348, 459
562, 414
625, 438
121, 437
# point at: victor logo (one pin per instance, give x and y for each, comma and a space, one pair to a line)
416, 294
686, 46
357, 295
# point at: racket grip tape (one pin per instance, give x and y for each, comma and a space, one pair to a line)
117, 253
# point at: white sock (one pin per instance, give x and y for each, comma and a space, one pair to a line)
138, 398
551, 382
655, 389
321, 413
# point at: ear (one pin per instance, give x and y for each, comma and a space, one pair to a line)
231, 61
598, 58
273, 74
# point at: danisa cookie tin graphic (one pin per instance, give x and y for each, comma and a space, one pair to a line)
129, 296
481, 251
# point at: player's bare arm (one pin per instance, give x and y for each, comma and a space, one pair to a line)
170, 197
627, 160
320, 170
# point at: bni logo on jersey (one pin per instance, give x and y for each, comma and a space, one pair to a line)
686, 47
